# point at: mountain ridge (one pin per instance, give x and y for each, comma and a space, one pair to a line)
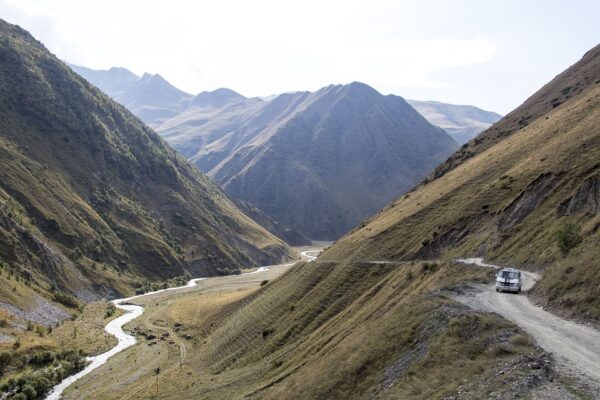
462, 122
92, 199
308, 141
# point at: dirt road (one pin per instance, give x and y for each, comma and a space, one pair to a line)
575, 346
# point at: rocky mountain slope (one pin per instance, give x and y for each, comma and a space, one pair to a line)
372, 316
210, 117
317, 162
91, 200
149, 97
461, 122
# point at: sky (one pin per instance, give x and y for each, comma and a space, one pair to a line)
492, 54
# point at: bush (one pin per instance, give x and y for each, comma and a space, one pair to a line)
41, 358
110, 310
520, 340
429, 267
66, 299
267, 332
29, 392
568, 235
5, 358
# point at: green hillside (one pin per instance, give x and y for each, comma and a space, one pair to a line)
91, 200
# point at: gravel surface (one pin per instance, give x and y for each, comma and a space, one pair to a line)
576, 347
5, 337
43, 313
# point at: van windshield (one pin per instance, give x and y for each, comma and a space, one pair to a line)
508, 274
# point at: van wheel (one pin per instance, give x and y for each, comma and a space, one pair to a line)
519, 291
497, 290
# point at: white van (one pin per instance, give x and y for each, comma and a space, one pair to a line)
509, 280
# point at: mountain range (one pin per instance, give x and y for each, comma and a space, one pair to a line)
217, 131
150, 96
92, 200
154, 100
317, 162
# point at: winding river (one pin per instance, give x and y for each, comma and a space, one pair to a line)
125, 340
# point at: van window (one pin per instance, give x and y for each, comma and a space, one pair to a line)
509, 274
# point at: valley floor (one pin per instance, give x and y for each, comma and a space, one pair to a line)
136, 374
170, 360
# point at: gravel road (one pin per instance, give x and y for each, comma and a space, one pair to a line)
575, 346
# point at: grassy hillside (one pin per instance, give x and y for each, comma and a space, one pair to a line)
91, 200
510, 195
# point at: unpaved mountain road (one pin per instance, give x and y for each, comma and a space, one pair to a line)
575, 346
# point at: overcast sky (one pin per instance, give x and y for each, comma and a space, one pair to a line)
492, 54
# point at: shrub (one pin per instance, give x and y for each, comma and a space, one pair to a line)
568, 235
29, 392
66, 299
110, 310
426, 267
520, 340
267, 332
40, 330
5, 358
41, 358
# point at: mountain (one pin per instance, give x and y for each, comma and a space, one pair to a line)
524, 192
149, 97
211, 116
463, 123
374, 315
290, 236
316, 162
92, 200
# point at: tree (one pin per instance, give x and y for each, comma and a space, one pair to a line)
568, 235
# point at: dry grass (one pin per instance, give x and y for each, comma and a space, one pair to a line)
87, 332
320, 331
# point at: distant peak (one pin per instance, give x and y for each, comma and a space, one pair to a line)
359, 87
349, 89
119, 69
154, 78
217, 97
